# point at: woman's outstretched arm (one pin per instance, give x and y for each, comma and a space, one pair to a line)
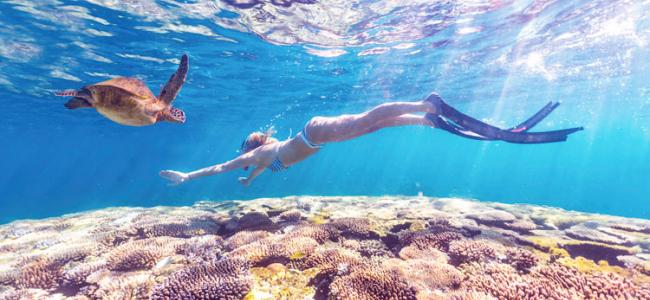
246, 181
176, 177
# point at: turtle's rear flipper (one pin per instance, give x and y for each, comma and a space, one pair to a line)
75, 103
173, 86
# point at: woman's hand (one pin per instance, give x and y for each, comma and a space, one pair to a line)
244, 180
174, 177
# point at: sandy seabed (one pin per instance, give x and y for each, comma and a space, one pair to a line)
308, 247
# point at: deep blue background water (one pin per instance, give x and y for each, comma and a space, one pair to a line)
270, 65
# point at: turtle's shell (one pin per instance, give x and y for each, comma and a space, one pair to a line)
132, 86
126, 101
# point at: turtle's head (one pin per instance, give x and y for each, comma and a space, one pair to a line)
81, 98
174, 114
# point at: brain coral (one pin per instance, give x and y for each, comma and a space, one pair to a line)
225, 279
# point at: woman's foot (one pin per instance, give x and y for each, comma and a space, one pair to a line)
433, 100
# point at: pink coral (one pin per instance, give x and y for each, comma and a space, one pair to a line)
464, 251
42, 273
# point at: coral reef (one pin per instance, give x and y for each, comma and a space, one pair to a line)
465, 251
327, 248
372, 283
521, 259
225, 279
141, 254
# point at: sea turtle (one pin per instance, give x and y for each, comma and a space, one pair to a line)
129, 101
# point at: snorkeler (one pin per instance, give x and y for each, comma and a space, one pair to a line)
263, 151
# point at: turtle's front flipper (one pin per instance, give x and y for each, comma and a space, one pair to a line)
77, 102
173, 86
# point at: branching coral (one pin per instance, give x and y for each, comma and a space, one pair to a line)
226, 279
426, 275
521, 259
201, 248
253, 220
371, 283
464, 251
427, 239
184, 229
245, 237
41, 273
413, 252
354, 227
592, 285
135, 286
503, 282
330, 261
141, 254
320, 233
76, 277
274, 249
293, 215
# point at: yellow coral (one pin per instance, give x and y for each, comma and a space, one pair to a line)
417, 226
281, 283
557, 246
317, 219
588, 265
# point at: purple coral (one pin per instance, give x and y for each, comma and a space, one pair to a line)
225, 279
330, 261
428, 239
245, 237
293, 215
355, 227
371, 283
320, 233
141, 254
521, 259
274, 249
464, 251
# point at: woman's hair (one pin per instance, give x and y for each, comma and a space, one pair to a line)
257, 139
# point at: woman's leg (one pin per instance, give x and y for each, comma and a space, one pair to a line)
324, 130
403, 120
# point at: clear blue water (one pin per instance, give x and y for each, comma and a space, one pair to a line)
273, 65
